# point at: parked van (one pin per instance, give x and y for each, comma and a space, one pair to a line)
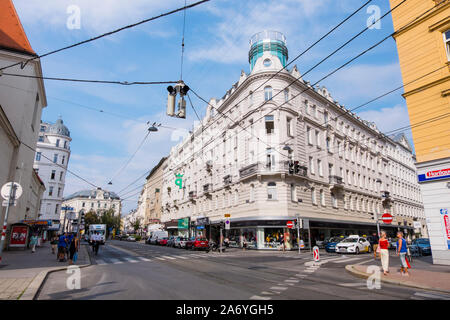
155, 235
97, 228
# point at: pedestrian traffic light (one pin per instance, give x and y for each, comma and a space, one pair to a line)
296, 167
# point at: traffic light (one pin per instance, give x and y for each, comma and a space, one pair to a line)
182, 89
296, 167
291, 167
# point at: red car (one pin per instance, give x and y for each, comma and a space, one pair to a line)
163, 241
197, 244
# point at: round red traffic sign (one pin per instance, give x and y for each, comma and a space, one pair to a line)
290, 224
387, 218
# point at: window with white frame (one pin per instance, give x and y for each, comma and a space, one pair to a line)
319, 167
250, 98
293, 198
270, 124
334, 201
289, 127
313, 196
267, 93
271, 191
322, 197
309, 135
252, 193
318, 138
286, 95
311, 165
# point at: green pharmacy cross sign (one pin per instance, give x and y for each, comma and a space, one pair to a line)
183, 223
179, 180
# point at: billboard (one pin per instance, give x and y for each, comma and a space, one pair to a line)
19, 236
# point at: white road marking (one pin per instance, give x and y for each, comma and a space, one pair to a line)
182, 257
131, 260
309, 271
260, 298
143, 259
116, 261
159, 258
278, 288
432, 296
169, 257
292, 281
100, 262
352, 284
268, 293
345, 260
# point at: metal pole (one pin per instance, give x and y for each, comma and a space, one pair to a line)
309, 237
298, 234
12, 195
220, 238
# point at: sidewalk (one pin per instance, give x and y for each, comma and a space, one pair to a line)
22, 272
422, 275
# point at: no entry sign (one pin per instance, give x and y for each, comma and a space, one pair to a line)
387, 218
290, 224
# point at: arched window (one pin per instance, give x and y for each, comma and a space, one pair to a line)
313, 196
271, 191
286, 95
268, 93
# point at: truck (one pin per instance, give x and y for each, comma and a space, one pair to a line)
97, 228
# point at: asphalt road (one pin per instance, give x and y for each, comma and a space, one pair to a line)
130, 271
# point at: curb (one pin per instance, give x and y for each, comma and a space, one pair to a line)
350, 269
33, 290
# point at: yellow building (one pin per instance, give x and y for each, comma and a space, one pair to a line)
423, 41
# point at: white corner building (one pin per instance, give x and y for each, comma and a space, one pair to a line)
51, 161
349, 173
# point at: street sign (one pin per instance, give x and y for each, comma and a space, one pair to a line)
5, 203
387, 218
6, 190
227, 224
227, 215
417, 225
290, 224
316, 253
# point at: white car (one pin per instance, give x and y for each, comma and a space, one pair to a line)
180, 242
353, 244
131, 238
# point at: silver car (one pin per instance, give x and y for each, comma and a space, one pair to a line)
180, 242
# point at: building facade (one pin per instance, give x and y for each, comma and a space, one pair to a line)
21, 103
423, 42
341, 183
96, 200
51, 162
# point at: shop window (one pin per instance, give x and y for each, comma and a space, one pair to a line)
272, 191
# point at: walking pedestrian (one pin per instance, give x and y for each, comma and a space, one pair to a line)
282, 242
402, 249
96, 242
61, 248
374, 242
383, 244
54, 244
73, 248
33, 242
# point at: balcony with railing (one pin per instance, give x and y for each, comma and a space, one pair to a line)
207, 188
227, 180
260, 168
336, 182
192, 195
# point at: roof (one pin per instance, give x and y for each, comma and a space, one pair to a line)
93, 194
59, 128
156, 167
12, 34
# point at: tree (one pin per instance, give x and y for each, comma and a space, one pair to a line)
137, 224
112, 222
91, 218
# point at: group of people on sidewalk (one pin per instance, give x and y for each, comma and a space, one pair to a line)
67, 245
381, 246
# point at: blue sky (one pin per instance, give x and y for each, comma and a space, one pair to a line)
216, 39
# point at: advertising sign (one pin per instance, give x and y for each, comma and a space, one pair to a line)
183, 223
446, 218
19, 235
434, 175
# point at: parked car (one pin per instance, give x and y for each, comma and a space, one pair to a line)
330, 244
123, 236
354, 244
162, 241
180, 242
155, 236
197, 243
131, 238
171, 241
421, 246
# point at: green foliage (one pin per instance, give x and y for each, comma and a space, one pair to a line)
138, 237
137, 224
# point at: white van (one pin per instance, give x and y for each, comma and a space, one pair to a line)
157, 235
97, 228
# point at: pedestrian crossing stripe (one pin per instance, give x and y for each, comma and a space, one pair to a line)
168, 257
159, 258
116, 261
143, 259
131, 260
